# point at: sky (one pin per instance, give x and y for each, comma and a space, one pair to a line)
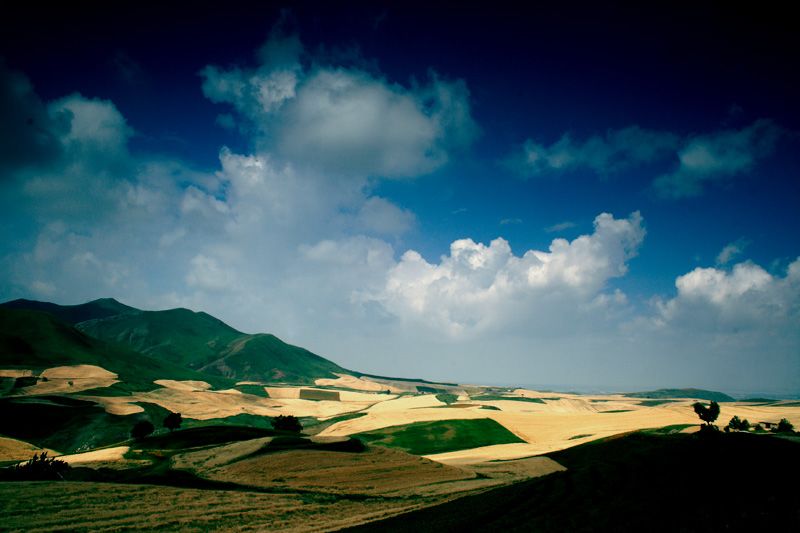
568, 194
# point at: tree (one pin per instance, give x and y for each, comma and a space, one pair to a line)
173, 421
738, 425
707, 414
142, 429
287, 423
784, 426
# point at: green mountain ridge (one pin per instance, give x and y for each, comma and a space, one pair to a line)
185, 342
38, 340
73, 314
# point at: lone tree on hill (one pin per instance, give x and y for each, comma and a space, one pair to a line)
287, 423
707, 414
173, 421
142, 429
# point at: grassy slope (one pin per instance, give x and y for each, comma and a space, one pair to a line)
423, 438
639, 482
72, 314
700, 394
38, 340
202, 342
67, 424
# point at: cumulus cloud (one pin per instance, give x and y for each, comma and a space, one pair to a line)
477, 287
616, 150
716, 157
343, 120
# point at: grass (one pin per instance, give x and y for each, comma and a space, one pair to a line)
201, 436
424, 438
67, 424
617, 411
447, 398
576, 437
495, 397
667, 430
256, 390
653, 403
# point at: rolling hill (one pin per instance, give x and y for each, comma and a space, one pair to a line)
37, 340
178, 338
699, 394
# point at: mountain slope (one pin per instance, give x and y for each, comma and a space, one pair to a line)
38, 340
72, 314
204, 343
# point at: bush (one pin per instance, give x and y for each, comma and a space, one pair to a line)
39, 468
173, 421
142, 429
784, 426
738, 425
287, 423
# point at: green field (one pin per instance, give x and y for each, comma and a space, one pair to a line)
495, 397
423, 438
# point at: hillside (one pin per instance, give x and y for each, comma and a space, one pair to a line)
699, 394
179, 337
37, 340
72, 314
638, 482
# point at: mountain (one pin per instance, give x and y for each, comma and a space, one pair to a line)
39, 340
204, 343
72, 314
182, 338
699, 394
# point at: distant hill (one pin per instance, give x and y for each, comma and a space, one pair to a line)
72, 314
638, 482
699, 394
206, 344
38, 340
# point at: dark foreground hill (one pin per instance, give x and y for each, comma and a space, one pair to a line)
638, 482
178, 338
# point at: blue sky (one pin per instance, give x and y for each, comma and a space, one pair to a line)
339, 176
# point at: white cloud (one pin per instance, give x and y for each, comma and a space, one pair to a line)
616, 150
718, 156
478, 287
344, 120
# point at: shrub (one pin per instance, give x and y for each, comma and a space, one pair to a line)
784, 426
39, 468
142, 429
738, 425
173, 421
287, 423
